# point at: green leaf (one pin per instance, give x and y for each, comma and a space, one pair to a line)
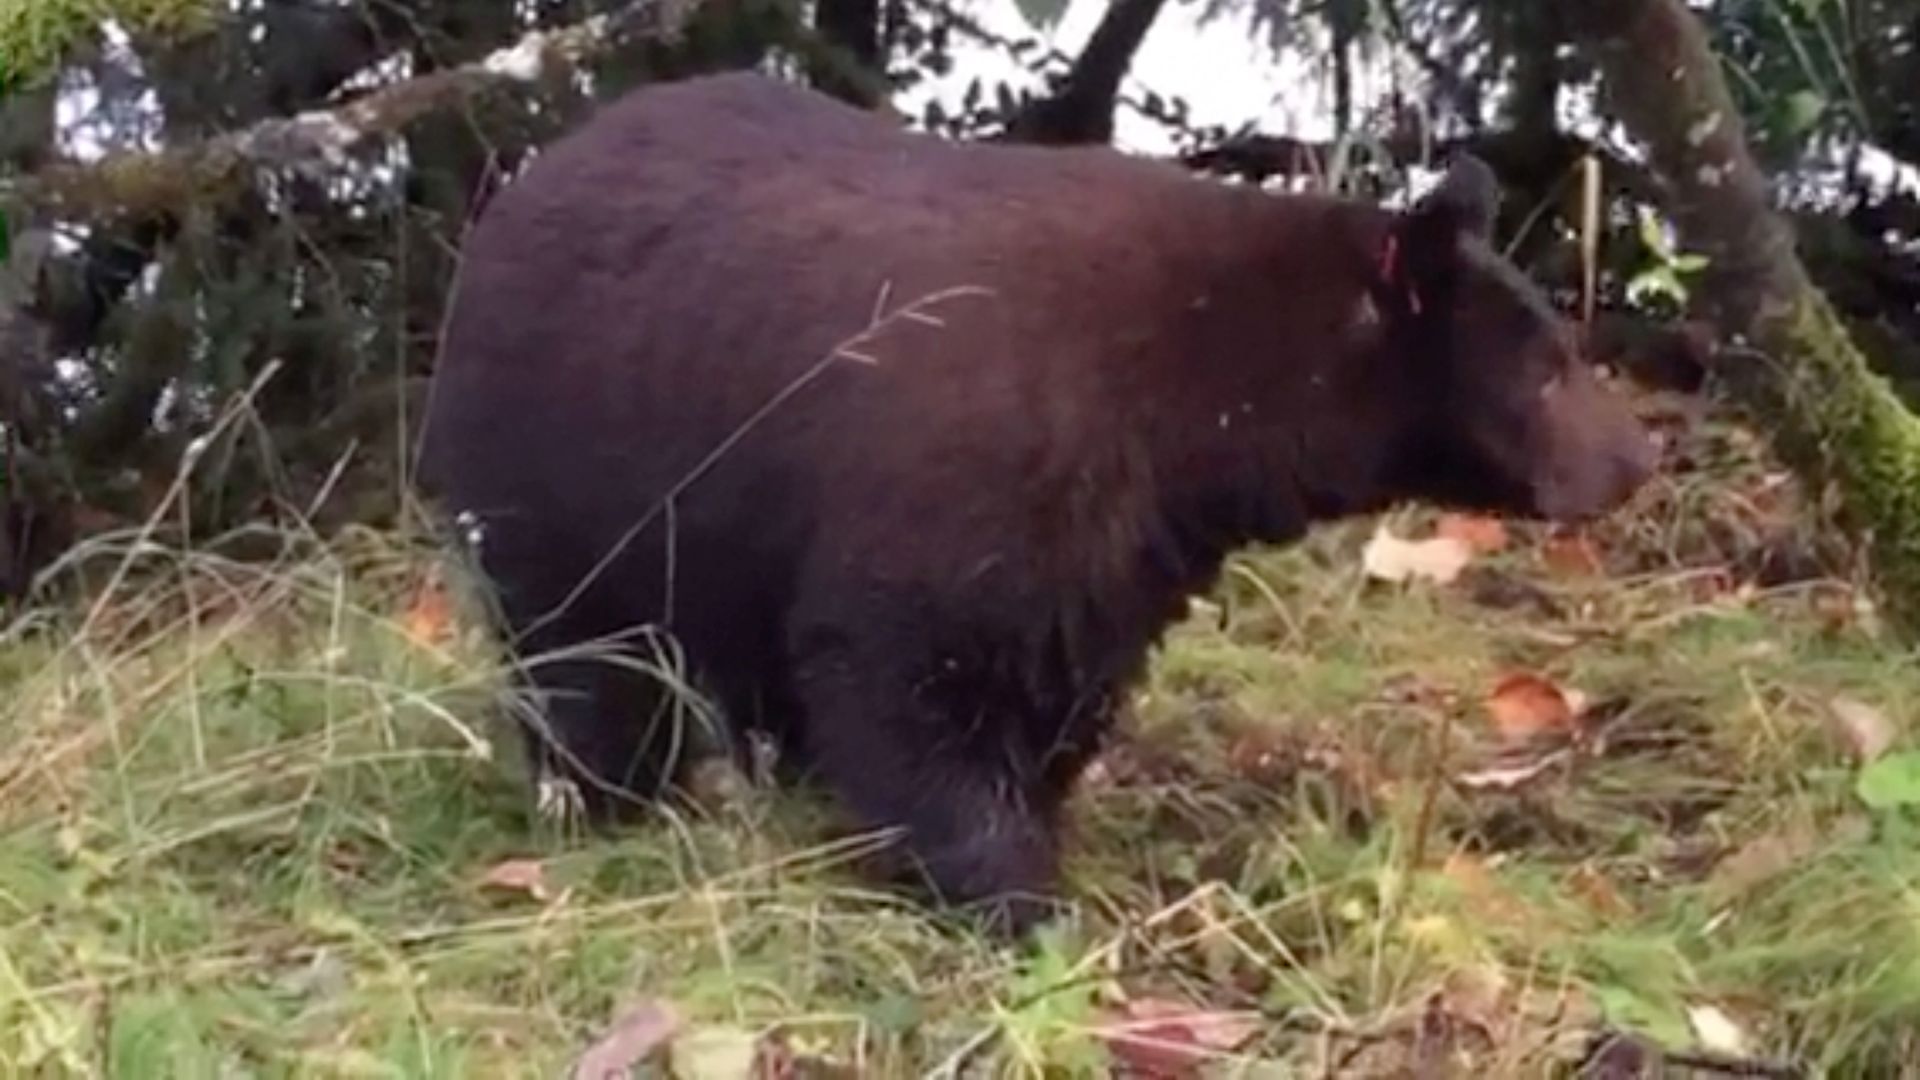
714, 1053
1653, 236
1689, 263
1801, 111
1890, 782
895, 1014
1041, 14
1627, 1010
1659, 280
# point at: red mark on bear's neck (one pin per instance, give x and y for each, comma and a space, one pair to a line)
1390, 271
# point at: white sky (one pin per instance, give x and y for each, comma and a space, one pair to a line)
1225, 75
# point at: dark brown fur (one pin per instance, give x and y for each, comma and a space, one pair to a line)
934, 563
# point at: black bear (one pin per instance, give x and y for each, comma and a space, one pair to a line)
913, 448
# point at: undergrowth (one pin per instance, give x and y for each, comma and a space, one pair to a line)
253, 821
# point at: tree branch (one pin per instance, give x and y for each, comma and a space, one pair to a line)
1449, 86
157, 351
1082, 110
1261, 157
138, 184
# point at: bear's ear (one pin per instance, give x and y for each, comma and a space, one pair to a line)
1464, 202
1422, 247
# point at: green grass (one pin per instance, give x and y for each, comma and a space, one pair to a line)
244, 820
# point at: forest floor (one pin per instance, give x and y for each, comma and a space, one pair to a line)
1657, 780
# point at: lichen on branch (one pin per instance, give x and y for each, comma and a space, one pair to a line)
141, 183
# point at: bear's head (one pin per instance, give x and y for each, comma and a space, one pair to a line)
1513, 418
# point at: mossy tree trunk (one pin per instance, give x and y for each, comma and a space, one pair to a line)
1792, 364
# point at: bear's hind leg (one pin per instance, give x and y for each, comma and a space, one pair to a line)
969, 807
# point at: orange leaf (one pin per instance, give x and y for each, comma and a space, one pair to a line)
1710, 585
1486, 897
1598, 890
429, 617
1171, 1039
1572, 555
1469, 872
1486, 900
1839, 608
527, 876
1484, 535
1260, 757
1524, 706
1867, 730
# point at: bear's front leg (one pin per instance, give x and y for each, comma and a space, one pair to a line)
964, 794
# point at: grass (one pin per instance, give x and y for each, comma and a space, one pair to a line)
245, 819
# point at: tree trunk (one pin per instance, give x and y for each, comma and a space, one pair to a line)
1082, 110
1794, 367
1534, 34
854, 26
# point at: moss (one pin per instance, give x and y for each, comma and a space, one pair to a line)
1842, 424
36, 35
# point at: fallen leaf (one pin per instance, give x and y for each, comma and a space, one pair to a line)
1482, 535
1710, 585
1716, 1030
714, 1053
1839, 608
1523, 707
1598, 891
635, 1036
1868, 732
527, 876
1261, 757
1759, 861
1438, 560
1764, 858
1478, 995
429, 616
1572, 555
1171, 1038
1506, 777
1489, 902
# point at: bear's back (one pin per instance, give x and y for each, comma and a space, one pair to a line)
647, 311
695, 247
